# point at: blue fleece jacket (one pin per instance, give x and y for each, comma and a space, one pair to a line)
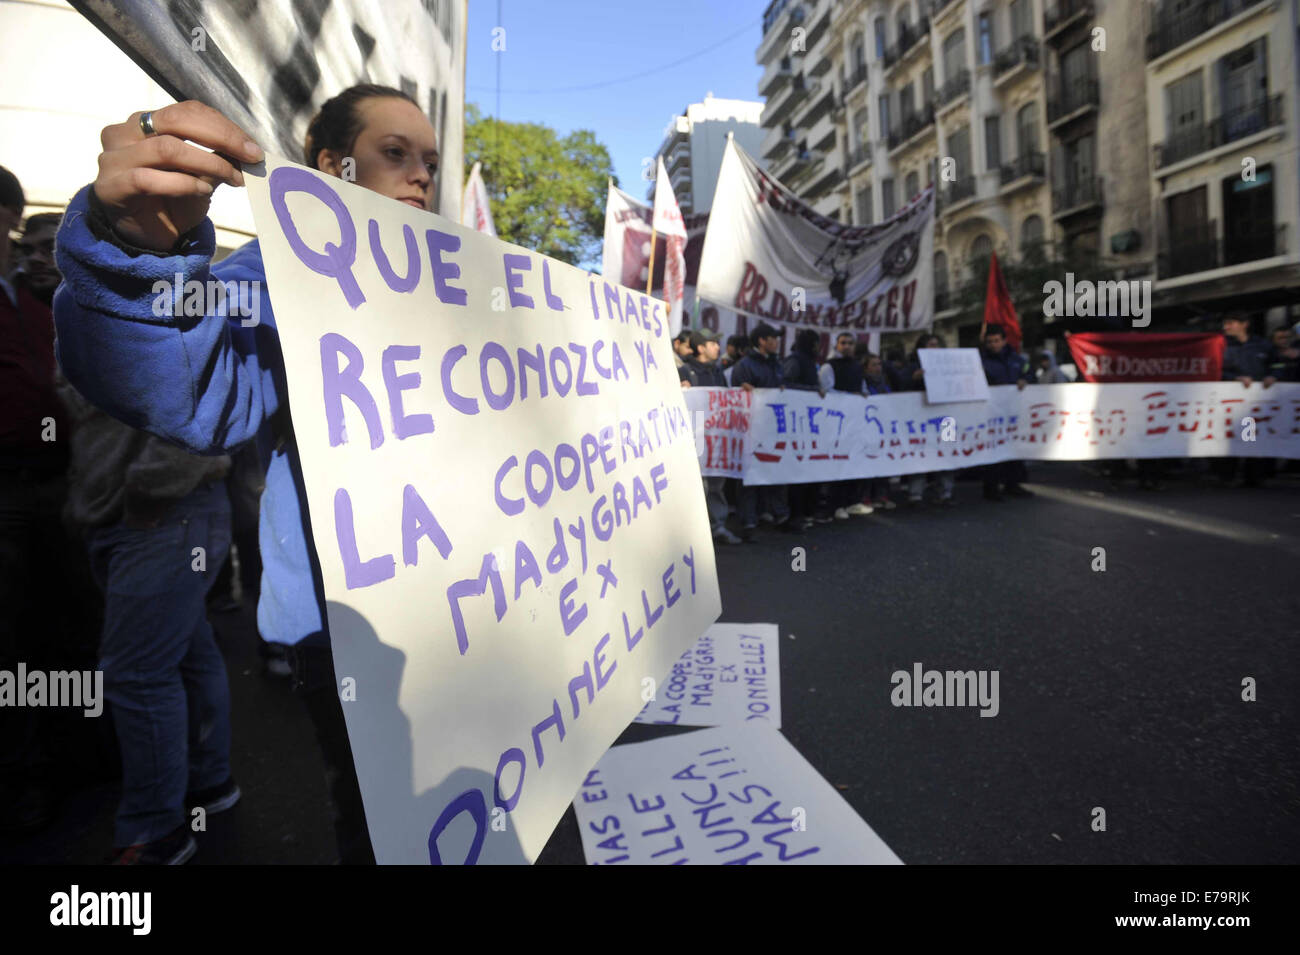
203, 382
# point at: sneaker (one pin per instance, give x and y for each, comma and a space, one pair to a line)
858, 510
725, 536
884, 504
841, 514
175, 848
216, 798
766, 518
749, 534
1015, 490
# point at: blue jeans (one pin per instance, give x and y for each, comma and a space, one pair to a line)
163, 673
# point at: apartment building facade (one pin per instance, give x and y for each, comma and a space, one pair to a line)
693, 145
1030, 116
1221, 90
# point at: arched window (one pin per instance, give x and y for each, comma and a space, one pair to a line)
1031, 238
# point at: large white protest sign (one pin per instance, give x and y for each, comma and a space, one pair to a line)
953, 374
731, 675
505, 504
734, 795
771, 256
795, 436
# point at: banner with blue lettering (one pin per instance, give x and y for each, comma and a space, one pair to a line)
780, 436
505, 501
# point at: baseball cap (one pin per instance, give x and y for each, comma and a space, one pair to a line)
701, 335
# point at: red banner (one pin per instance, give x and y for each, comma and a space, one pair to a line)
1138, 356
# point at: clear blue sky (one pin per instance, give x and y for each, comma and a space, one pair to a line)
554, 46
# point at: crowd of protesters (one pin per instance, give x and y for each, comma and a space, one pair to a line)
154, 451
754, 361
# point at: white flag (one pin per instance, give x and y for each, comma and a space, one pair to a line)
668, 221
474, 209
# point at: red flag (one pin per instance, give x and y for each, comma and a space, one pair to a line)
998, 308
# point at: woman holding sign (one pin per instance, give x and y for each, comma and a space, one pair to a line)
210, 379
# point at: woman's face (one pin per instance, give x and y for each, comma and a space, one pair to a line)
873, 367
396, 152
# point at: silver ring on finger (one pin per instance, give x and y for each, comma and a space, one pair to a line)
146, 123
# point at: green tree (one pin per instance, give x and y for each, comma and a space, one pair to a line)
547, 191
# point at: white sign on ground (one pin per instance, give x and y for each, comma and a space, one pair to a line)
723, 796
731, 675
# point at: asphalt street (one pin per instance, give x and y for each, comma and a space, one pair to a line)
1119, 689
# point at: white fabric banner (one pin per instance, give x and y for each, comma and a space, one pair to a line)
770, 256
626, 257
668, 222
733, 795
731, 675
771, 436
505, 505
475, 211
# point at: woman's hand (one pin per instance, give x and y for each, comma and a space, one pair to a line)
156, 188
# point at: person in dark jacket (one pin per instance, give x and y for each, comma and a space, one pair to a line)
700, 370
1003, 365
761, 369
1247, 359
808, 500
737, 348
847, 376
944, 480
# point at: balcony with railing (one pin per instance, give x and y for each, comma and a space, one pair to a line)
954, 89
777, 75
1177, 22
1022, 56
785, 101
1204, 250
909, 37
958, 192
1063, 14
911, 126
1230, 127
1026, 169
941, 8
857, 78
859, 157
1076, 196
1073, 100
